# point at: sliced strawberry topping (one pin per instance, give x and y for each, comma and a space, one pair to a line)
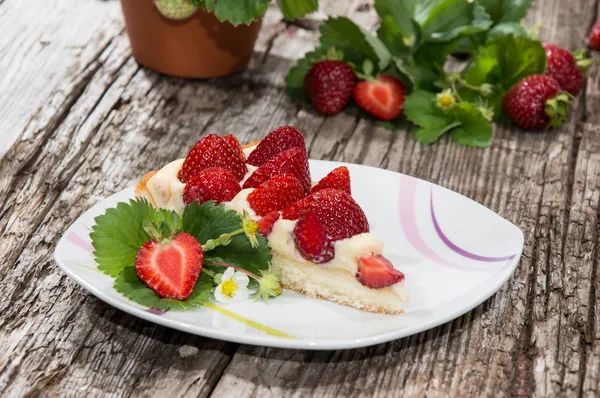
339, 214
278, 140
338, 178
214, 183
292, 161
313, 243
376, 271
275, 194
170, 268
265, 224
212, 151
235, 145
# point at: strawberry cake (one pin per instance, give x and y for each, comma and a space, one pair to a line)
319, 235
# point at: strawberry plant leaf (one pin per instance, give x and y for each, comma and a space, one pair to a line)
506, 60
206, 221
292, 9
445, 20
356, 43
507, 28
474, 129
432, 122
131, 286
506, 10
237, 12
118, 234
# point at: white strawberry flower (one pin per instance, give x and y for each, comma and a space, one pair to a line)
233, 287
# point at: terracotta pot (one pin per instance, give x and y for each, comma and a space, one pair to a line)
198, 47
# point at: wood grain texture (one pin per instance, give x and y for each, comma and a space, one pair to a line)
90, 121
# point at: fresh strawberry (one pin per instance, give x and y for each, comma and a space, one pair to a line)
265, 224
212, 151
312, 241
563, 67
293, 161
170, 267
376, 271
536, 102
339, 214
338, 178
275, 194
381, 98
278, 140
329, 85
214, 183
235, 145
594, 39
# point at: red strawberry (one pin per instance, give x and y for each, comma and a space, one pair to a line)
278, 140
535, 102
329, 85
214, 183
265, 224
313, 243
235, 145
381, 98
376, 271
171, 267
293, 161
338, 178
212, 151
562, 66
275, 194
594, 39
339, 214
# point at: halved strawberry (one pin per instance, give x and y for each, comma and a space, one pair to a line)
339, 214
278, 140
376, 271
212, 151
170, 267
275, 194
382, 97
312, 241
292, 161
235, 145
265, 224
338, 178
214, 183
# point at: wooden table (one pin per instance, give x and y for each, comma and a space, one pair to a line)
87, 121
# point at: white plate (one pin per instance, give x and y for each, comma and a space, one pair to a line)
454, 252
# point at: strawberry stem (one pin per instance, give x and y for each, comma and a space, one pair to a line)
222, 240
221, 264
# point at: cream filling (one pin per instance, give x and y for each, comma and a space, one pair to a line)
166, 192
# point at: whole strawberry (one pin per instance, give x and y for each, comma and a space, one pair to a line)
329, 85
594, 39
381, 97
563, 67
536, 102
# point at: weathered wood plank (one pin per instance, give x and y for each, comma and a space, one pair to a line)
106, 121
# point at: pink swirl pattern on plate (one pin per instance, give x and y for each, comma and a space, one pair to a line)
408, 221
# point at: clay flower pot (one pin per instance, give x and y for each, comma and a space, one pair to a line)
198, 47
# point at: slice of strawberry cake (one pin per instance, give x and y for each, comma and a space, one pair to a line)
319, 235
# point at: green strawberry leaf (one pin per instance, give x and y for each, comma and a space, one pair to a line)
397, 30
501, 11
506, 60
131, 286
507, 28
474, 129
237, 12
118, 234
292, 9
445, 20
206, 221
356, 43
420, 108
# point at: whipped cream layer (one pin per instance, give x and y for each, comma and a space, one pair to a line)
166, 192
